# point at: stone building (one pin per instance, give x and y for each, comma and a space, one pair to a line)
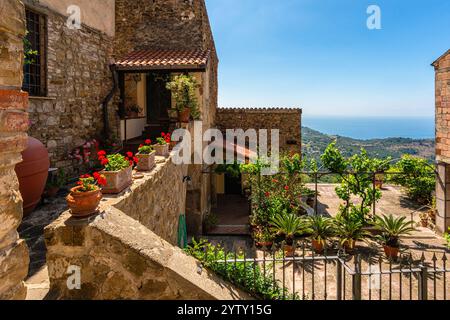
104, 79
442, 68
13, 140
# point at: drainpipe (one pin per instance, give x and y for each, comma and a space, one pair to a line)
107, 100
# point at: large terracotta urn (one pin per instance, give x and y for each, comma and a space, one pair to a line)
32, 173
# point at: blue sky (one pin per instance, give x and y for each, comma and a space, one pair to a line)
320, 55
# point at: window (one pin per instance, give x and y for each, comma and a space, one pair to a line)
35, 78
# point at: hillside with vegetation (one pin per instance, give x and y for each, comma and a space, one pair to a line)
315, 143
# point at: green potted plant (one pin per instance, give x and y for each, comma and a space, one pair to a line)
118, 170
183, 88
146, 156
263, 238
391, 229
162, 145
55, 183
321, 229
349, 230
83, 200
424, 216
288, 226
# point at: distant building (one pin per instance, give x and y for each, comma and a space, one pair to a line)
442, 68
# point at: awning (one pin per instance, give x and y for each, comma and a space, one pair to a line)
164, 60
236, 149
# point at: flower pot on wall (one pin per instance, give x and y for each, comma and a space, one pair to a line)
161, 150
32, 173
318, 246
83, 204
184, 115
391, 252
117, 181
146, 161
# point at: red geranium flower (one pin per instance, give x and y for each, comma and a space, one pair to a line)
286, 188
130, 154
101, 153
136, 160
104, 161
148, 141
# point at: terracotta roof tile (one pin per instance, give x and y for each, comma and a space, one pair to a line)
164, 59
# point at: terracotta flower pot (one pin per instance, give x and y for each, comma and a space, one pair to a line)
146, 161
185, 115
379, 181
264, 244
289, 251
349, 245
83, 204
318, 246
117, 181
424, 223
32, 173
161, 150
391, 252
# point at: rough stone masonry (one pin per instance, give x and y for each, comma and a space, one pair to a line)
14, 257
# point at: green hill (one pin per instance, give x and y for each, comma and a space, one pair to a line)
315, 143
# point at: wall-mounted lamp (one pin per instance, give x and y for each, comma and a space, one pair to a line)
187, 179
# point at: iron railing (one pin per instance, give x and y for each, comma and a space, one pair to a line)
337, 275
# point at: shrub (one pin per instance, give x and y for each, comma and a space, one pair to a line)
183, 88
417, 176
247, 275
357, 175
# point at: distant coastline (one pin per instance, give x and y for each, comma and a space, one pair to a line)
367, 128
315, 143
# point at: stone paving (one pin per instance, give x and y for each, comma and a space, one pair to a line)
32, 230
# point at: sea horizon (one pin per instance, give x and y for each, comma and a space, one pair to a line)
373, 127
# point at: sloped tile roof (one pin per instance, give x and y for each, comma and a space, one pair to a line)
164, 59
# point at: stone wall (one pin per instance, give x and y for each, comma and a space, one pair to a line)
158, 200
121, 259
78, 80
442, 67
14, 257
175, 24
90, 12
129, 250
288, 121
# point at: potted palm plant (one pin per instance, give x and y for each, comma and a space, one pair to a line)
146, 156
391, 229
288, 226
349, 230
83, 200
183, 88
118, 170
162, 145
321, 229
